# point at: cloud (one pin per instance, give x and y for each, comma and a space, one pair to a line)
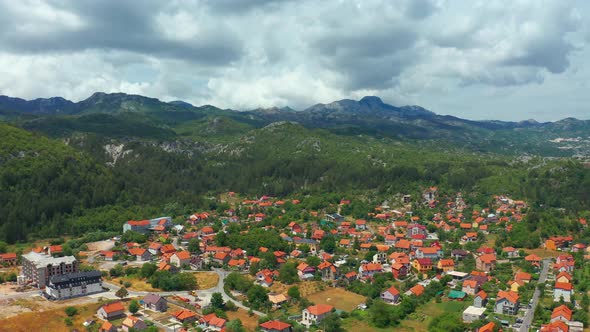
246, 54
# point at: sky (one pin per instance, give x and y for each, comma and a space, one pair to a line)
503, 60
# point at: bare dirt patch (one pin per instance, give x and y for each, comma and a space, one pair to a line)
249, 322
206, 280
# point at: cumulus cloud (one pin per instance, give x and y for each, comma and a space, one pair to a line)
440, 54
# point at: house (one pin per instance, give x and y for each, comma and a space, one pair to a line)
180, 258
416, 290
422, 265
277, 300
167, 249
305, 271
132, 323
351, 276
433, 253
459, 254
328, 270
140, 254
558, 242
155, 302
481, 299
370, 269
523, 276
485, 262
533, 260
470, 287
275, 326
107, 327
239, 264
221, 258
403, 245
510, 252
489, 327
561, 313
473, 313
184, 316
8, 258
360, 225
416, 231
295, 228
399, 270
265, 278
380, 257
111, 310
314, 314
390, 295
507, 303
564, 277
557, 326
446, 265
562, 289
345, 243
154, 248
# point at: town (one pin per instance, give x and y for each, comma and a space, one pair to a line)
307, 264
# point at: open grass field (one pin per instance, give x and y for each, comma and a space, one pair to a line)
206, 280
419, 320
356, 325
339, 298
137, 284
249, 322
50, 320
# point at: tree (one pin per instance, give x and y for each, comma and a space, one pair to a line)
193, 246
235, 325
313, 261
71, 311
294, 293
257, 297
122, 292
217, 300
288, 273
332, 323
133, 306
147, 270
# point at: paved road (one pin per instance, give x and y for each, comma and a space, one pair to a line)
528, 317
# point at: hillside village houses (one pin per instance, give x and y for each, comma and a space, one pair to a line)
363, 248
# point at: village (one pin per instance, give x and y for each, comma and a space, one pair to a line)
278, 264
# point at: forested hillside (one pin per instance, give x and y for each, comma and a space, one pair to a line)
93, 170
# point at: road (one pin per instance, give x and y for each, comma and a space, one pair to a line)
528, 316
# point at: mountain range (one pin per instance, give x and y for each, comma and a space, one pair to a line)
120, 115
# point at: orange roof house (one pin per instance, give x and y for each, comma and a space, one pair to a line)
320, 309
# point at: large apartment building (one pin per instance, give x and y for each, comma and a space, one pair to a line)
39, 268
75, 284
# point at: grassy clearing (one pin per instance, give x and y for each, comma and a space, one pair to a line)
249, 322
351, 324
50, 320
206, 280
543, 253
339, 298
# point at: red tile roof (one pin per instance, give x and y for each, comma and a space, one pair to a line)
275, 325
319, 309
